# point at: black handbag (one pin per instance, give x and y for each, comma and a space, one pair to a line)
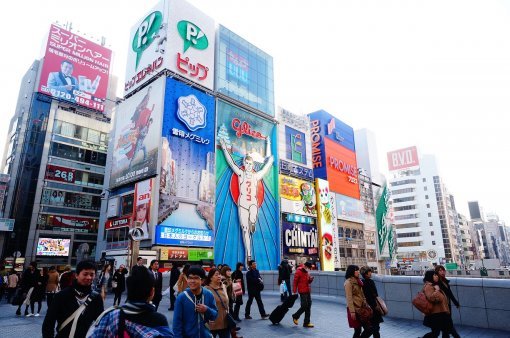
19, 297
231, 323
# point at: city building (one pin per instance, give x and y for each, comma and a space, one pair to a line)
56, 153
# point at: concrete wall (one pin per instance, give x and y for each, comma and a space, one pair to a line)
484, 302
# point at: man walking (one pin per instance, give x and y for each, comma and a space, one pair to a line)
158, 283
302, 281
284, 271
255, 286
76, 307
174, 277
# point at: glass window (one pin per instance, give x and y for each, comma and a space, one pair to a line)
127, 204
93, 136
68, 129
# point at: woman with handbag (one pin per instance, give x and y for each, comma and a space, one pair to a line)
439, 319
119, 283
220, 327
52, 285
357, 312
102, 282
238, 280
370, 291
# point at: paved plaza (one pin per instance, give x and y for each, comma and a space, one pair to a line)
328, 315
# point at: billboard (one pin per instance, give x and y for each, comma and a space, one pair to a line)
403, 158
6, 224
299, 239
332, 128
53, 247
247, 217
142, 207
326, 224
75, 69
137, 135
294, 170
187, 182
60, 174
297, 196
119, 222
182, 42
294, 138
244, 72
350, 209
183, 236
341, 169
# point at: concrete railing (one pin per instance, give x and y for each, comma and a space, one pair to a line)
484, 302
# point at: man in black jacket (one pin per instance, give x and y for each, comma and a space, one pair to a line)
158, 283
77, 302
174, 277
28, 283
255, 286
284, 271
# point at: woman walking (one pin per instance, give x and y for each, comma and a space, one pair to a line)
119, 283
355, 299
370, 291
439, 319
103, 279
52, 285
219, 327
238, 277
444, 285
39, 291
182, 282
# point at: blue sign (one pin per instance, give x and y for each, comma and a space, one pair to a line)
294, 218
183, 236
295, 145
326, 125
294, 170
299, 239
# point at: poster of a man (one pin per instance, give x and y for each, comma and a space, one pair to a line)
248, 202
63, 81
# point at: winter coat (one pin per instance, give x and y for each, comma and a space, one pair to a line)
370, 292
354, 295
120, 278
52, 284
239, 275
444, 285
220, 322
302, 281
254, 282
284, 271
189, 323
437, 298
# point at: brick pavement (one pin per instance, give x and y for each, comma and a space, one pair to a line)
328, 315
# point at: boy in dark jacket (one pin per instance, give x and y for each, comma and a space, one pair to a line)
302, 281
255, 286
67, 301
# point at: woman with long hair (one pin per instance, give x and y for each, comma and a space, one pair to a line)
355, 299
219, 328
439, 319
238, 277
119, 283
103, 279
444, 285
182, 282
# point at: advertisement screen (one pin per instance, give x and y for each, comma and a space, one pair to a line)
167, 235
75, 69
137, 135
53, 247
342, 170
299, 239
244, 72
350, 209
61, 174
187, 180
142, 208
297, 196
403, 158
247, 221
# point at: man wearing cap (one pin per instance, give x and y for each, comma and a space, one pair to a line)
302, 281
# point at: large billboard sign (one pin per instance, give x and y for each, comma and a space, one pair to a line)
350, 209
183, 236
174, 35
244, 72
137, 135
142, 207
75, 69
247, 217
294, 138
297, 196
187, 181
300, 239
403, 158
332, 128
342, 170
326, 224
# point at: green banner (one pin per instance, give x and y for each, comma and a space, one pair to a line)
197, 255
381, 221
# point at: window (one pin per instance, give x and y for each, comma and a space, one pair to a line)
433, 242
407, 207
432, 233
425, 188
428, 206
426, 197
430, 214
127, 204
424, 179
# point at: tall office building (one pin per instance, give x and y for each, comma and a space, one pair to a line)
422, 209
56, 152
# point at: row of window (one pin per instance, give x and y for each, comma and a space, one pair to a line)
80, 132
409, 181
403, 217
402, 191
406, 207
78, 154
409, 234
407, 225
350, 233
403, 199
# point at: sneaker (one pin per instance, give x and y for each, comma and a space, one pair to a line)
36, 315
295, 320
309, 325
266, 316
247, 317
29, 314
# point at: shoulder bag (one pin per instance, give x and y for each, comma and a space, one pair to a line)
365, 314
421, 302
231, 323
380, 306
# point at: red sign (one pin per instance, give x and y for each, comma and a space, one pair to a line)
403, 158
244, 128
73, 222
178, 254
118, 223
75, 69
342, 169
60, 174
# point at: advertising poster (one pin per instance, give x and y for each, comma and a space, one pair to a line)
61, 174
183, 236
297, 196
187, 181
403, 158
294, 138
142, 207
325, 225
247, 215
75, 69
6, 224
350, 209
332, 128
382, 221
137, 135
53, 247
334, 231
300, 239
342, 169
244, 72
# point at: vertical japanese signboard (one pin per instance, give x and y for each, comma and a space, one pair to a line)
326, 223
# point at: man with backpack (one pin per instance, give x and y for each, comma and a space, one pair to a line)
74, 308
137, 317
